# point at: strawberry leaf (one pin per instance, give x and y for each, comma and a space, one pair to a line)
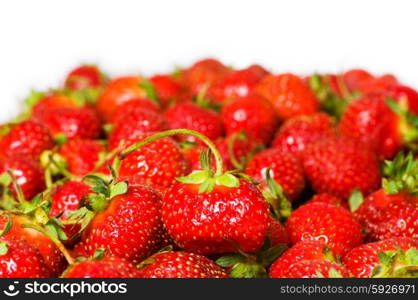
229, 260
4, 247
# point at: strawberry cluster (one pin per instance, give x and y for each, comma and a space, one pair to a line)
212, 172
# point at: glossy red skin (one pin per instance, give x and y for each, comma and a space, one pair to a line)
277, 233
84, 77
129, 107
118, 91
330, 199
314, 269
157, 164
66, 198
361, 260
253, 115
239, 83
52, 256
181, 265
80, 122
338, 166
28, 174
167, 88
52, 101
286, 170
130, 227
211, 223
189, 115
81, 155
378, 84
371, 121
108, 267
331, 224
288, 94
28, 138
22, 260
402, 92
385, 216
298, 133
355, 78
135, 124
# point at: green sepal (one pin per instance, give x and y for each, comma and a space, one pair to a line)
8, 225
150, 90
227, 180
196, 177
82, 216
355, 200
229, 260
5, 179
97, 202
119, 188
334, 274
108, 128
60, 139
4, 248
267, 257
207, 186
99, 254
53, 161
276, 197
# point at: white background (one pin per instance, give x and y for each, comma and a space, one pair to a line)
41, 40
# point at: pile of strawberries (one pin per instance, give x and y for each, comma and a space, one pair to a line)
212, 172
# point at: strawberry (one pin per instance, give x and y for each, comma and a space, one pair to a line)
167, 89
118, 91
315, 269
330, 199
189, 115
298, 133
377, 84
179, 265
28, 138
82, 155
127, 226
288, 94
404, 94
339, 165
239, 83
389, 258
333, 225
84, 77
39, 103
18, 259
253, 115
130, 106
107, 267
277, 233
80, 122
355, 78
285, 170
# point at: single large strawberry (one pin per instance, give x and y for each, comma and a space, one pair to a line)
28, 138
179, 265
396, 257
288, 94
85, 77
333, 225
339, 165
189, 115
18, 259
166, 88
284, 167
253, 115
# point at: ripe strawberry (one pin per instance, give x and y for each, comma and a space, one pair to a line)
28, 138
277, 233
355, 78
239, 83
28, 175
285, 170
288, 94
118, 91
107, 267
298, 133
405, 94
52, 256
82, 155
167, 88
377, 84
253, 115
189, 115
135, 124
339, 165
80, 122
130, 106
157, 164
129, 227
179, 265
45, 102
316, 269
333, 225
18, 259
330, 199
84, 77
388, 258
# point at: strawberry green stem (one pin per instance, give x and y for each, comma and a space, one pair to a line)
18, 189
157, 136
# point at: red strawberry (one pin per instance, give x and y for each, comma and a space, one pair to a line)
83, 77
129, 227
54, 100
382, 259
333, 225
82, 155
277, 233
80, 122
315, 269
330, 199
338, 166
404, 93
130, 106
288, 94
118, 91
285, 170
300, 132
253, 115
377, 84
189, 115
28, 174
238, 84
18, 259
179, 265
355, 78
28, 138
108, 267
167, 88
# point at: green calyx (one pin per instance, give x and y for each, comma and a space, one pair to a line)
355, 200
150, 91
397, 263
408, 122
4, 248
